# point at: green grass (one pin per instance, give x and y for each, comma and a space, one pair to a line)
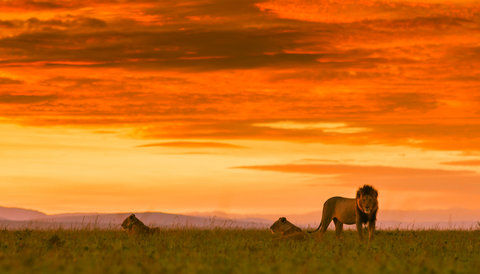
236, 251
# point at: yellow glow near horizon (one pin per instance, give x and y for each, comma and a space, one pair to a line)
61, 170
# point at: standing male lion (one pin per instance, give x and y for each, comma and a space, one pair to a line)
361, 210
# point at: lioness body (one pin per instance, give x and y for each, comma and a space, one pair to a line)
360, 210
135, 226
286, 230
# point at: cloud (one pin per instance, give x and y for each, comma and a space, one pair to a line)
231, 129
158, 50
66, 22
6, 98
56, 5
352, 11
272, 43
464, 53
463, 163
379, 171
455, 137
70, 22
383, 177
208, 69
181, 42
211, 8
408, 100
324, 127
192, 145
32, 4
9, 81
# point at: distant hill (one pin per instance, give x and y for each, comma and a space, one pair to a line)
157, 219
20, 214
113, 221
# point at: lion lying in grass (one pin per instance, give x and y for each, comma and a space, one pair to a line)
134, 226
286, 230
360, 210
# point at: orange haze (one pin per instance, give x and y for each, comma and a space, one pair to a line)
243, 105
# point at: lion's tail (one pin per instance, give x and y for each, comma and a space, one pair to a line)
311, 231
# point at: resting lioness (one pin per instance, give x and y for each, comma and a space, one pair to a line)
286, 230
135, 226
361, 210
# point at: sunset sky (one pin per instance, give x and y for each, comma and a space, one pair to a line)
238, 105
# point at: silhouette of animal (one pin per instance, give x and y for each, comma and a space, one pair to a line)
286, 230
360, 210
133, 225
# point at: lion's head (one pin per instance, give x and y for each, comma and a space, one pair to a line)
367, 199
283, 227
131, 223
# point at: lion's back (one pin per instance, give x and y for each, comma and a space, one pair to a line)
340, 208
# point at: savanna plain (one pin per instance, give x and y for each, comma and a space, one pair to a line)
236, 251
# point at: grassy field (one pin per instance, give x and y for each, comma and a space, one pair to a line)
236, 251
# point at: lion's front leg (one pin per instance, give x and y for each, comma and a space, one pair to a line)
359, 228
371, 230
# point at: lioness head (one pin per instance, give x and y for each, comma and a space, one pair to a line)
130, 222
283, 226
367, 199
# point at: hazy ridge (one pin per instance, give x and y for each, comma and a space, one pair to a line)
15, 218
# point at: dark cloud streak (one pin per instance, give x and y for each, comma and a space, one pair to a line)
160, 50
8, 81
6, 98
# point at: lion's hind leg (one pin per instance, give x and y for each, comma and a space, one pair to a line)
338, 228
326, 220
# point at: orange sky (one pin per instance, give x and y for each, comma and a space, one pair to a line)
240, 105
